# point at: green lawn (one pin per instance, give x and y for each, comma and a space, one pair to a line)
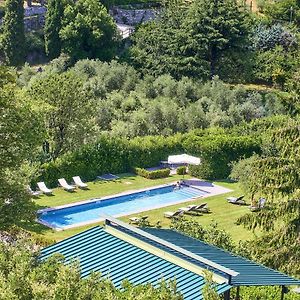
102, 188
222, 212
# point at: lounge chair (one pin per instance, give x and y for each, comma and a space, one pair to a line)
78, 182
237, 200
261, 204
189, 209
138, 220
108, 176
202, 208
63, 183
33, 193
42, 186
171, 215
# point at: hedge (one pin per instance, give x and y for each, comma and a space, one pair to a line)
162, 173
217, 149
111, 155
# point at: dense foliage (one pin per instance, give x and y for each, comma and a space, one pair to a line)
17, 144
86, 117
116, 155
55, 11
275, 176
88, 31
197, 40
66, 110
162, 173
24, 277
12, 40
212, 234
125, 105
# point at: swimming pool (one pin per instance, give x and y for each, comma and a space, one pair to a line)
76, 215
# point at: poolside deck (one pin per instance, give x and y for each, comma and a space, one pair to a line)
209, 188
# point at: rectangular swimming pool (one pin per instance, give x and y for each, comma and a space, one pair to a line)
76, 215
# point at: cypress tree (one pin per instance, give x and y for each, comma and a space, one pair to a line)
55, 11
13, 38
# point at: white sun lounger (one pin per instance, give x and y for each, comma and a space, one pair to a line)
79, 183
42, 186
63, 183
33, 193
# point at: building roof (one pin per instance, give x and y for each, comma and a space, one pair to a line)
250, 273
99, 250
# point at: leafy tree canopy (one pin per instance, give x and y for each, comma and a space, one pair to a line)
13, 36
24, 277
275, 176
193, 41
67, 111
88, 31
20, 134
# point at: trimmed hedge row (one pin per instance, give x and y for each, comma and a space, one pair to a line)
162, 173
111, 155
217, 149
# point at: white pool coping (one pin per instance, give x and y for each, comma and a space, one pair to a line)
210, 190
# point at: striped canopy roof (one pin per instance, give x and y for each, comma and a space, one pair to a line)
250, 273
98, 250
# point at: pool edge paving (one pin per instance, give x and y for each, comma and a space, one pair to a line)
212, 191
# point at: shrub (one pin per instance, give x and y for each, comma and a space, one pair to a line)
111, 155
181, 170
162, 173
216, 148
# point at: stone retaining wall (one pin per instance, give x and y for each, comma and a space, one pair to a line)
132, 16
35, 16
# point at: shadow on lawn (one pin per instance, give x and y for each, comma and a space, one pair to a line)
33, 226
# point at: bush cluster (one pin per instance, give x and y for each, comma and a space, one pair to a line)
216, 148
181, 170
162, 173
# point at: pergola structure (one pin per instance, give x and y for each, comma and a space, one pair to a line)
121, 251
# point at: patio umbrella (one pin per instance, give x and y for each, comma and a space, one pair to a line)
184, 159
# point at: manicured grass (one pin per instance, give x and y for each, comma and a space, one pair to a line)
224, 213
102, 188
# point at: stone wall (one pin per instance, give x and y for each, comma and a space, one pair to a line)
132, 17
35, 16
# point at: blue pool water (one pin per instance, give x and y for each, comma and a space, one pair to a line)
118, 206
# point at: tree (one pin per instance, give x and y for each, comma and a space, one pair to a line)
158, 46
209, 292
194, 40
20, 134
67, 110
286, 10
211, 234
88, 31
13, 37
276, 65
24, 277
53, 24
275, 176
218, 27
